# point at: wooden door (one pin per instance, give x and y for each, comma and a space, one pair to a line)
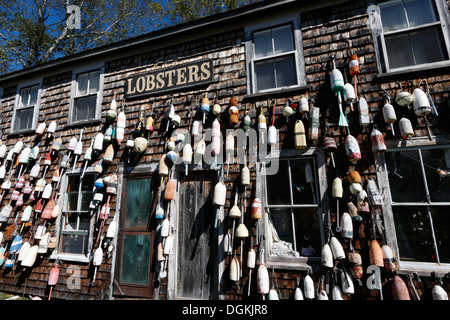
133, 277
197, 240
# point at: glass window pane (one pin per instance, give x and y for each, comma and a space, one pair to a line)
441, 224
262, 41
427, 45
307, 232
420, 12
283, 39
139, 203
25, 97
84, 108
278, 186
393, 16
94, 81
285, 71
74, 244
433, 160
405, 176
83, 84
282, 221
398, 51
24, 119
135, 261
33, 95
264, 74
72, 201
413, 234
301, 190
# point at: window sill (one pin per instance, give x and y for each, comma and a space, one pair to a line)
415, 69
425, 269
274, 93
79, 258
83, 123
22, 132
294, 263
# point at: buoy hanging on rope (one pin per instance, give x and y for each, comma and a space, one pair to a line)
399, 289
363, 112
308, 287
389, 115
262, 279
330, 146
299, 135
353, 65
352, 149
205, 107
337, 86
377, 141
406, 129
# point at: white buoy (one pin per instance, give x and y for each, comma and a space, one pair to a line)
262, 276
336, 249
327, 256
298, 294
437, 292
308, 287
406, 128
389, 116
336, 293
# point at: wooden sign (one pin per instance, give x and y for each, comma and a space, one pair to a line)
169, 79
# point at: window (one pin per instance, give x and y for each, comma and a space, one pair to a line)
274, 56
409, 28
87, 90
293, 209
26, 108
76, 215
420, 202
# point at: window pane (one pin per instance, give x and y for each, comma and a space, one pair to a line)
285, 71
413, 234
263, 43
282, 39
84, 108
278, 186
420, 12
25, 97
24, 119
301, 190
83, 84
441, 224
74, 244
427, 45
139, 203
33, 95
135, 262
438, 187
393, 16
94, 81
282, 221
405, 182
264, 73
398, 51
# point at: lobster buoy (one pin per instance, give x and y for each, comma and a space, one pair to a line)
336, 189
169, 190
163, 169
235, 212
245, 176
336, 81
303, 106
355, 188
421, 103
356, 267
165, 226
313, 130
437, 292
389, 115
272, 136
41, 128
262, 276
140, 144
247, 122
256, 209
352, 149
216, 109
363, 111
330, 146
308, 287
287, 111
404, 98
406, 129
168, 245
30, 257
299, 135
204, 107
187, 155
196, 128
327, 256
336, 249
233, 111
98, 142
219, 196
377, 141
375, 254
23, 251
51, 129
399, 289
347, 226
336, 293
349, 94
176, 120
273, 295
347, 283
109, 154
3, 151
298, 294
242, 231
389, 260
354, 177
234, 270
149, 124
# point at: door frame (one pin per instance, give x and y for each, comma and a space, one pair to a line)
116, 291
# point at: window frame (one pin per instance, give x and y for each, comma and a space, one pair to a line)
294, 21
425, 268
322, 207
57, 252
375, 24
18, 102
74, 93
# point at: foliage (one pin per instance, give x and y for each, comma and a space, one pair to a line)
35, 31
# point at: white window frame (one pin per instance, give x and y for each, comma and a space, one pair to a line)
322, 208
380, 46
294, 21
425, 268
74, 92
18, 101
73, 257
